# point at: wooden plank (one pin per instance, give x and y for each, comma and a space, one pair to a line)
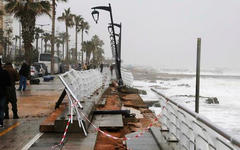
48, 124
61, 121
109, 120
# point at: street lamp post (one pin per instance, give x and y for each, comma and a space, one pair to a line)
95, 15
120, 40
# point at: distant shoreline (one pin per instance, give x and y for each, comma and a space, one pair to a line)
145, 74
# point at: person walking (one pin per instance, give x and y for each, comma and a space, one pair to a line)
111, 69
101, 68
11, 91
4, 83
24, 73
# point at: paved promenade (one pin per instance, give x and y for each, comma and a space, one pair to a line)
34, 104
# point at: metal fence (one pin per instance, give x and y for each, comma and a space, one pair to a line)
193, 131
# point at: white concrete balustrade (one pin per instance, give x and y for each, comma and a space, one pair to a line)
127, 77
82, 84
194, 131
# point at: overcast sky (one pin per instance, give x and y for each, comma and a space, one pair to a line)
163, 33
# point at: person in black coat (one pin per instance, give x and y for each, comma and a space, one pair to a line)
11, 91
24, 73
4, 83
101, 68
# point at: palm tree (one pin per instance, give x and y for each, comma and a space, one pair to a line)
58, 42
46, 37
37, 32
63, 37
8, 34
88, 47
97, 47
84, 27
53, 32
16, 37
99, 55
77, 21
67, 17
27, 11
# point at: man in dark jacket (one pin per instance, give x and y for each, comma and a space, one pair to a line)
4, 83
24, 73
11, 91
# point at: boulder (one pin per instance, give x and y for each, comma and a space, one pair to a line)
212, 100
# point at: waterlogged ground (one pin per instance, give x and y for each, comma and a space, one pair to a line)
38, 100
182, 89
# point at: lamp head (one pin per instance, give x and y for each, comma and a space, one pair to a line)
95, 15
110, 29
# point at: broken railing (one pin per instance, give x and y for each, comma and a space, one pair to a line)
80, 86
193, 131
127, 77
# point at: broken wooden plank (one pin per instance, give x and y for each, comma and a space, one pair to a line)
109, 120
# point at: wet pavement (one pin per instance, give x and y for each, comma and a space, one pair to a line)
34, 104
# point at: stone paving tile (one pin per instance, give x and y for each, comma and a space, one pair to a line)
146, 142
17, 137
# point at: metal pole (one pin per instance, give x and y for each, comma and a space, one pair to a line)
198, 75
120, 49
118, 71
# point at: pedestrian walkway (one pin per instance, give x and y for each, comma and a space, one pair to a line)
17, 133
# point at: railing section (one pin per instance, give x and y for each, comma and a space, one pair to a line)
194, 131
82, 84
127, 77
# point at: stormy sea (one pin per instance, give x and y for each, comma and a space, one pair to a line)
219, 93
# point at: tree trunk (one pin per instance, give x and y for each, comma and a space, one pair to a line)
8, 46
53, 35
75, 52
20, 40
45, 41
28, 25
67, 54
82, 48
94, 56
63, 45
37, 45
15, 47
58, 50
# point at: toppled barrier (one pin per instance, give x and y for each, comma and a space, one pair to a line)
83, 89
127, 77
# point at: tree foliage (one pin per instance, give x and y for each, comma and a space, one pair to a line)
67, 17
27, 12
